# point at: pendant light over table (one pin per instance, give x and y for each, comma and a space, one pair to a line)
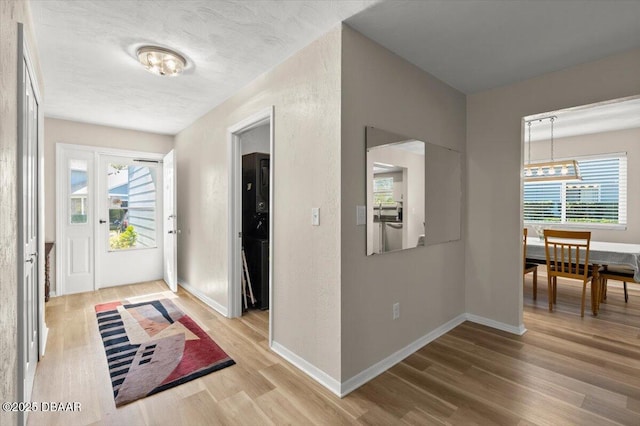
549, 170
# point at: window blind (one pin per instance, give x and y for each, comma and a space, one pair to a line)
599, 198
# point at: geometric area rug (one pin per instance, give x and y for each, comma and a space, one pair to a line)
152, 346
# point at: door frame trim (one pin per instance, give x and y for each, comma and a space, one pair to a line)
234, 162
24, 58
97, 151
174, 197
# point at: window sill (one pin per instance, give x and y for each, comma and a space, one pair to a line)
111, 250
594, 226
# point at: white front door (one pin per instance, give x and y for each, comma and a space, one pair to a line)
109, 218
129, 244
29, 233
76, 218
170, 221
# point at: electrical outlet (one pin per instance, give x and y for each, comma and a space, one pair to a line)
396, 310
315, 216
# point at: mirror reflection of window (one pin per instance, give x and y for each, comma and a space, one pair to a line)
395, 192
383, 191
427, 192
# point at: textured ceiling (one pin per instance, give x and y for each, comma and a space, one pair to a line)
87, 48
87, 51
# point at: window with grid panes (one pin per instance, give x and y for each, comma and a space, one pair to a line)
600, 198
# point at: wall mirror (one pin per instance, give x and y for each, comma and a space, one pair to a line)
443, 188
413, 192
395, 192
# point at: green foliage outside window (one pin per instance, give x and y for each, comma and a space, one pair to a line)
126, 239
548, 211
592, 212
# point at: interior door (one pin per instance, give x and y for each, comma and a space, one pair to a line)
170, 221
29, 233
129, 245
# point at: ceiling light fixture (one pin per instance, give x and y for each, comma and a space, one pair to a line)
161, 61
546, 171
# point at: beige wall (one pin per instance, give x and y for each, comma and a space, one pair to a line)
628, 141
11, 12
305, 91
72, 132
380, 89
494, 160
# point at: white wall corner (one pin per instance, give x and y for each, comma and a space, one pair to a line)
363, 377
311, 370
204, 298
519, 330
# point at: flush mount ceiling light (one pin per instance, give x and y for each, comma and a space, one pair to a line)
546, 171
161, 61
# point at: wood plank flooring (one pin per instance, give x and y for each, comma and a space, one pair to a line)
565, 370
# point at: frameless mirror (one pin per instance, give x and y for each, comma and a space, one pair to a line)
395, 192
443, 184
414, 192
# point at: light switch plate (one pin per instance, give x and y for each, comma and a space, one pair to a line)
361, 215
315, 216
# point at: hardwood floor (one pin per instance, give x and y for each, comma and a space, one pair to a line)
564, 370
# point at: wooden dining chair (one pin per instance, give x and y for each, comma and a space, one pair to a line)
617, 273
567, 254
529, 267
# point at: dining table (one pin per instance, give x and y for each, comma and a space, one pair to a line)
601, 253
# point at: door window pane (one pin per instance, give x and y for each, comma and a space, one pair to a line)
78, 190
132, 206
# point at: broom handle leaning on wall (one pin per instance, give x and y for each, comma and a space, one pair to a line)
244, 289
246, 269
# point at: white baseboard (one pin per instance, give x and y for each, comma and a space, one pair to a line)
52, 294
375, 370
204, 298
341, 389
348, 386
43, 340
496, 324
363, 377
311, 370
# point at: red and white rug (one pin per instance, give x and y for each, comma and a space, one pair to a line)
152, 346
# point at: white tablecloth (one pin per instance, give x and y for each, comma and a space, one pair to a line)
600, 253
